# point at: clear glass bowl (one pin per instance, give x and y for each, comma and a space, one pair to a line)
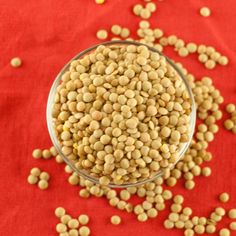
52, 133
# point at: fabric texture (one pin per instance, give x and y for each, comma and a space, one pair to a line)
48, 33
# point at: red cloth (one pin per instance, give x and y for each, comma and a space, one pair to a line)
46, 34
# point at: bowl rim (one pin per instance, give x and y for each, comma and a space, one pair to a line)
50, 103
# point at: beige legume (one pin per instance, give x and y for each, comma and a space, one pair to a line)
83, 219
176, 208
210, 229
61, 228
116, 29
125, 32
46, 154
205, 11
32, 179
73, 232
223, 60
145, 13
43, 184
230, 108
199, 229
191, 47
102, 34
142, 217
44, 175
224, 197
53, 151
16, 62
37, 153
232, 226
35, 171
229, 124
151, 6
174, 217
232, 214
189, 184
206, 171
178, 199
188, 232
220, 211
100, 1
152, 213
168, 224
224, 232
65, 219
84, 231
115, 220
60, 211
73, 223
137, 9
183, 52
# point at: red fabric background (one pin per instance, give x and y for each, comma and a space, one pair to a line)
46, 34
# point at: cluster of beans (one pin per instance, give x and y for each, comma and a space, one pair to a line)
230, 124
181, 218
121, 113
69, 226
39, 177
45, 154
117, 30
146, 11
122, 32
153, 192
207, 55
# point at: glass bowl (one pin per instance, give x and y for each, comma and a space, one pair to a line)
56, 143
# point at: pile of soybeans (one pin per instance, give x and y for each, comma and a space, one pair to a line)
122, 113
